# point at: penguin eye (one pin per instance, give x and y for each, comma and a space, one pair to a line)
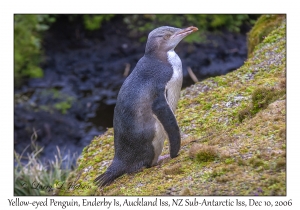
167, 36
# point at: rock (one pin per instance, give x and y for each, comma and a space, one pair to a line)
30, 118
38, 83
110, 101
19, 125
58, 84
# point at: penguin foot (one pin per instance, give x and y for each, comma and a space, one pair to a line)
162, 158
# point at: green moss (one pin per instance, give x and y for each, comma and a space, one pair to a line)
206, 154
220, 80
63, 106
229, 160
256, 162
241, 162
207, 106
203, 153
281, 164
261, 98
245, 113
175, 169
218, 172
263, 26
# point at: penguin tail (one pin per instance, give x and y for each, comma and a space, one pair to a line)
112, 172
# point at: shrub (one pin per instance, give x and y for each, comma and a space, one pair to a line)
93, 22
27, 45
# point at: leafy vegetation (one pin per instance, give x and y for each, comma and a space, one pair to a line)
62, 101
28, 31
145, 23
93, 22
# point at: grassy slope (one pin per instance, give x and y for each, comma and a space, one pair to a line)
233, 136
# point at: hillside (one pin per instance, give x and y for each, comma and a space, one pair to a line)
233, 133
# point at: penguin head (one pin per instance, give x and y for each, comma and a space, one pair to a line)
166, 38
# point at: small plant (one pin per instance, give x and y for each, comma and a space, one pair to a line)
218, 172
93, 22
203, 153
207, 106
28, 30
256, 162
194, 150
244, 113
185, 191
62, 102
229, 160
64, 106
175, 169
261, 98
281, 164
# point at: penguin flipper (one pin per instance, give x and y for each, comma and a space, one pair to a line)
165, 115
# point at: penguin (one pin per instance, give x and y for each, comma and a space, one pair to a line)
144, 112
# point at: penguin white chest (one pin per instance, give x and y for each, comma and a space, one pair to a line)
173, 87
172, 93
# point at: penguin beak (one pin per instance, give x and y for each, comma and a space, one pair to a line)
184, 32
